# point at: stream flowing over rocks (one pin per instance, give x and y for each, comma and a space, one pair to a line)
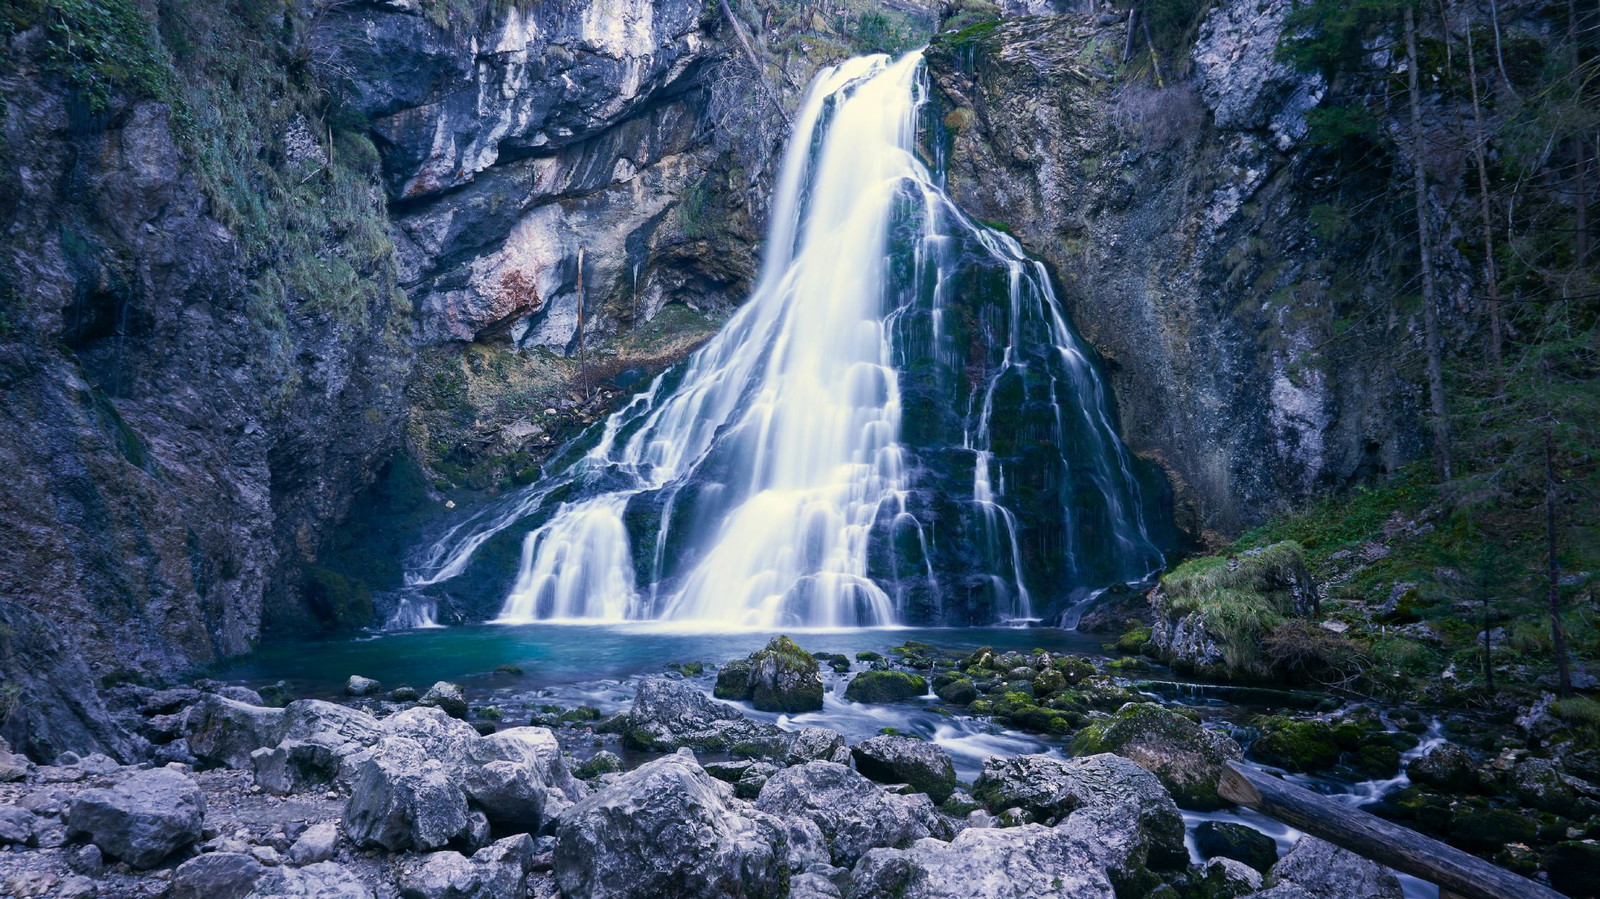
380, 798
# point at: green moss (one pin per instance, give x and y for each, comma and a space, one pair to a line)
1133, 641
1240, 600
340, 603
885, 686
1297, 746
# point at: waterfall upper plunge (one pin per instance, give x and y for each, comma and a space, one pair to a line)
899, 426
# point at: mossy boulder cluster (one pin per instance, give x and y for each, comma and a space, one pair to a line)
780, 678
1042, 692
1187, 757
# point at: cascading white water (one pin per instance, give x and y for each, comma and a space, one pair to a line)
766, 483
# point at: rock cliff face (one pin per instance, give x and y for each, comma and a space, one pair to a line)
191, 400
1180, 223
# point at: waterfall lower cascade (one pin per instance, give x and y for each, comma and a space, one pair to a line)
898, 427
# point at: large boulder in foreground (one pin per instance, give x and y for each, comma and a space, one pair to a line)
1324, 871
780, 678
1118, 810
225, 732
141, 820
853, 813
983, 863
405, 799
667, 830
920, 764
1185, 756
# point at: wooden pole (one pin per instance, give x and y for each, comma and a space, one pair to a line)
1402, 849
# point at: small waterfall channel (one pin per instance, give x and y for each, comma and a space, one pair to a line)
898, 427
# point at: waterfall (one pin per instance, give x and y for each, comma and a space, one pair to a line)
898, 426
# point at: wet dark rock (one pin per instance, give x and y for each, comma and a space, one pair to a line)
956, 690
1448, 767
448, 697
1489, 830
1186, 757
1574, 867
1240, 842
796, 747
1324, 871
493, 872
853, 814
885, 686
141, 820
667, 829
920, 764
217, 875
404, 693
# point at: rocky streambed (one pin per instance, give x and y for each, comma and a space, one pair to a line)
1012, 774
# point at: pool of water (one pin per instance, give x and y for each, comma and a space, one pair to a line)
555, 655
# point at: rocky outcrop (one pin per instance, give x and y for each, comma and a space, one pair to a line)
780, 678
667, 829
853, 814
1177, 219
1013, 863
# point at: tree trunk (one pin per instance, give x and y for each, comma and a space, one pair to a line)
1491, 273
583, 363
1558, 634
1430, 310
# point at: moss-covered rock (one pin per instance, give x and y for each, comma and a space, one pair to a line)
1487, 830
1574, 867
780, 678
885, 686
958, 691
1447, 767
1299, 746
1240, 842
1073, 668
1187, 757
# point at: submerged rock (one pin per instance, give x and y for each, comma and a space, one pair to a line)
920, 764
141, 820
780, 678
853, 814
1185, 756
667, 829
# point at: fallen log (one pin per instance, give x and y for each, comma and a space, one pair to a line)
1400, 848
